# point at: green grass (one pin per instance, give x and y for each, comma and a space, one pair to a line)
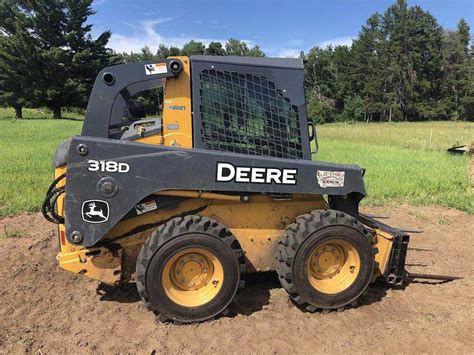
410, 135
401, 175
401, 167
26, 152
8, 114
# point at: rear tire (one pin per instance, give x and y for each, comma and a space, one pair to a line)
190, 269
325, 260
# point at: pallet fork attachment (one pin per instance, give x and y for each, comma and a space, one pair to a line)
412, 276
395, 272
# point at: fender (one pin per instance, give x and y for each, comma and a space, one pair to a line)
155, 168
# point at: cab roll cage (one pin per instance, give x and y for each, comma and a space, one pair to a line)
113, 88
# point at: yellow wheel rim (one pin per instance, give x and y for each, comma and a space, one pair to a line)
333, 266
192, 277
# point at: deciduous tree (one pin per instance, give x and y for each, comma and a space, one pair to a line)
193, 48
215, 48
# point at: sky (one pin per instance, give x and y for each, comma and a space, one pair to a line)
281, 28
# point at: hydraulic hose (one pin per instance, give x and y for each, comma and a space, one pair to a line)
48, 208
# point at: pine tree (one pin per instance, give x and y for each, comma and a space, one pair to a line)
427, 42
457, 84
193, 48
87, 56
454, 67
368, 68
162, 52
256, 52
464, 34
236, 47
174, 51
341, 58
468, 98
415, 65
466, 68
63, 59
16, 53
71, 58
215, 48
400, 67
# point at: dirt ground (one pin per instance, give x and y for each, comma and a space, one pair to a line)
46, 310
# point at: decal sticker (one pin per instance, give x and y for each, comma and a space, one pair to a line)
95, 211
226, 172
330, 178
108, 166
156, 68
173, 127
177, 108
145, 207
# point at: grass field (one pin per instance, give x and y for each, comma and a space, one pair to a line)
410, 135
26, 151
7, 114
402, 167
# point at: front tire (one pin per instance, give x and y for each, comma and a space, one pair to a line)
190, 269
326, 260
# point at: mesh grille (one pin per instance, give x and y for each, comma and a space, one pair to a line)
243, 113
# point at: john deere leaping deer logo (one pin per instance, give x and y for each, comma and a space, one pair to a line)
95, 211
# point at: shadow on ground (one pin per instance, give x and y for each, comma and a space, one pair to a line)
250, 299
254, 297
126, 293
256, 293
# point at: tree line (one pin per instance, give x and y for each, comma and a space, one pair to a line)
231, 47
402, 66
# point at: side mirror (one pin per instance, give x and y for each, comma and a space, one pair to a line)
311, 130
312, 136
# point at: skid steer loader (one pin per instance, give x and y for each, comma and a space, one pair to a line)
222, 184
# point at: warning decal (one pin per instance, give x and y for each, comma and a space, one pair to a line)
145, 207
156, 68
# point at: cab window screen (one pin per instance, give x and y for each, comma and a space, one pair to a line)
247, 114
